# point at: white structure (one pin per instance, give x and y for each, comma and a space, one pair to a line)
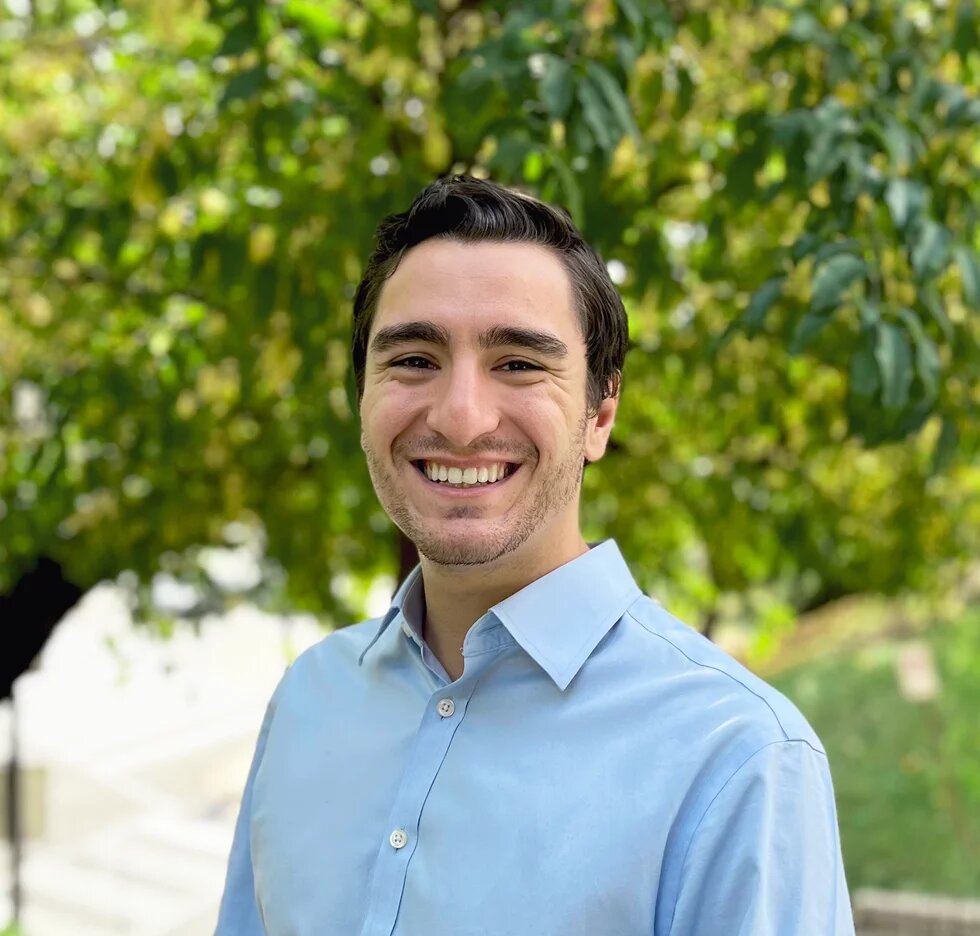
134, 751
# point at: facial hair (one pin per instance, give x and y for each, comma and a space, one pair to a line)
543, 498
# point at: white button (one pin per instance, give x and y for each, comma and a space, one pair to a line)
398, 838
446, 707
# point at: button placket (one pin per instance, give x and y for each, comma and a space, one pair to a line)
434, 737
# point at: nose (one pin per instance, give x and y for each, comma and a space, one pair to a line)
464, 407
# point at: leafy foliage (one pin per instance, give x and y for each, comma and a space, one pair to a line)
903, 770
787, 194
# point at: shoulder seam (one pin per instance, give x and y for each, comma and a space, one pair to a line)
717, 669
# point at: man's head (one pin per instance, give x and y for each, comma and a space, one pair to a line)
476, 210
488, 344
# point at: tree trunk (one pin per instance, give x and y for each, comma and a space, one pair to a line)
28, 615
408, 556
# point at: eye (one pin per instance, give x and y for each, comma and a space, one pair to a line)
414, 362
519, 367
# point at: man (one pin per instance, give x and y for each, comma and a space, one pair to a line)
525, 745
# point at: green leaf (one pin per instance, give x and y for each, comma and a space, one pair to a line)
804, 245
556, 87
808, 328
898, 142
869, 312
894, 356
930, 253
946, 445
627, 52
863, 380
631, 11
762, 299
787, 127
685, 93
969, 266
239, 38
905, 199
511, 152
572, 190
316, 18
596, 115
833, 277
243, 86
615, 97
966, 35
533, 165
805, 28
832, 249
927, 362
933, 302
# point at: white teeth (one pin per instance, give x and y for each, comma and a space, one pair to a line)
465, 476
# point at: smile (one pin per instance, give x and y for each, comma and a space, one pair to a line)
471, 477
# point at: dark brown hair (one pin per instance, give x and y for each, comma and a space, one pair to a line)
466, 209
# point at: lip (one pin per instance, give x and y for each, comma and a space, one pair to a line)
479, 490
483, 462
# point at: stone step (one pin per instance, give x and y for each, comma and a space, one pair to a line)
57, 886
139, 858
910, 914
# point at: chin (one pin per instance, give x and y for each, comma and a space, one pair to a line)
469, 550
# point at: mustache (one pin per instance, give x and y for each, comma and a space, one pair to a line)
508, 450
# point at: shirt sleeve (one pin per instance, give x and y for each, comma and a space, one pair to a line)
765, 859
239, 912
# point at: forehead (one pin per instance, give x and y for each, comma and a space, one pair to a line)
466, 286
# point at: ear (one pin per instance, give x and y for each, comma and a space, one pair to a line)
600, 425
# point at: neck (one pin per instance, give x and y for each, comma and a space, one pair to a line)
458, 596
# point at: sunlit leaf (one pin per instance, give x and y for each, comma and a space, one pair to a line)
833, 278
930, 250
969, 266
894, 356
905, 199
596, 114
557, 86
615, 97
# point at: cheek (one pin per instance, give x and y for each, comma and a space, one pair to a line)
383, 416
542, 420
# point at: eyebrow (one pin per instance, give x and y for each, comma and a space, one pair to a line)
496, 336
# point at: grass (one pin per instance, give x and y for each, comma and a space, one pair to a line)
906, 774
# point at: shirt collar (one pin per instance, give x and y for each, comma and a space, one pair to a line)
408, 597
560, 618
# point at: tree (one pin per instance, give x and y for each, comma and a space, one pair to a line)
786, 196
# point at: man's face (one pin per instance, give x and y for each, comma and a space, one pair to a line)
476, 368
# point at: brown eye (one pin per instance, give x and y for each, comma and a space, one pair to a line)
415, 362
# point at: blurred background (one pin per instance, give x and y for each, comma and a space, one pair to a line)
786, 194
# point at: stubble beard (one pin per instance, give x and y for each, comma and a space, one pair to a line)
533, 511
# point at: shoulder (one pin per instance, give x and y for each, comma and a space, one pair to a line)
332, 661
714, 681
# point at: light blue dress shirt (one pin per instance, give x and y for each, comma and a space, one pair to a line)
599, 769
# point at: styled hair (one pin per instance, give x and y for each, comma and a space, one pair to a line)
470, 210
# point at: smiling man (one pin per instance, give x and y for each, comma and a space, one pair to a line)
525, 744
